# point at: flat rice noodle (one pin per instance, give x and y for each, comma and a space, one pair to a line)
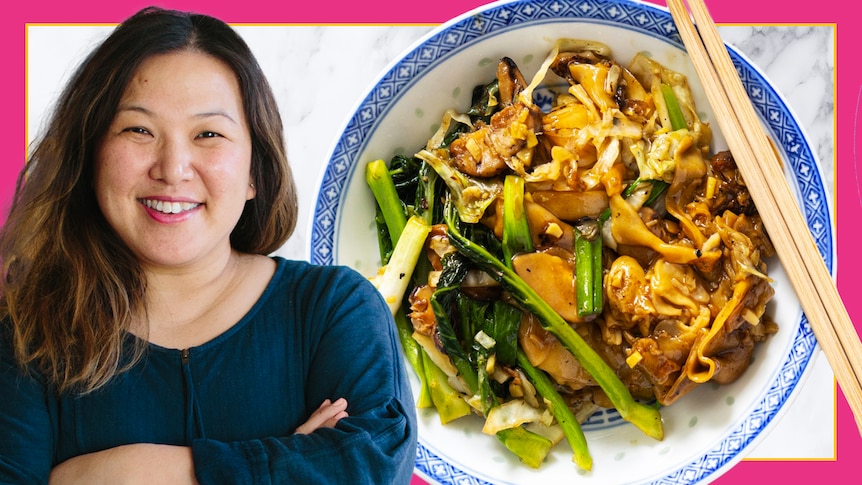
572, 205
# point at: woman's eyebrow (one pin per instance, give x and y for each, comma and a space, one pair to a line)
209, 114
202, 115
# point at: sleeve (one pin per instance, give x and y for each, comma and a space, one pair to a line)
355, 355
25, 424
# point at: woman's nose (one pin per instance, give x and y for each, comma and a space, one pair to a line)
173, 162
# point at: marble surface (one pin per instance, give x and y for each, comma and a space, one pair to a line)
319, 74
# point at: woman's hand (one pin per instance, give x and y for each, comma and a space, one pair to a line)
146, 463
141, 463
326, 415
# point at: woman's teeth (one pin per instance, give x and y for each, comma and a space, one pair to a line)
169, 207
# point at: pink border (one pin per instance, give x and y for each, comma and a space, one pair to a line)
848, 88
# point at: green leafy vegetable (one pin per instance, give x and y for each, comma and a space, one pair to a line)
442, 300
530, 448
449, 404
472, 195
485, 101
644, 417
503, 328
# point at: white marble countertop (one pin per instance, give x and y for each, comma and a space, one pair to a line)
319, 74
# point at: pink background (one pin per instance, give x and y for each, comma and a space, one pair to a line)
848, 199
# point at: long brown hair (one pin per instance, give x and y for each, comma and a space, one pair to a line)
70, 288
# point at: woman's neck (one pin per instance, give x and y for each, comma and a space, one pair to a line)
190, 306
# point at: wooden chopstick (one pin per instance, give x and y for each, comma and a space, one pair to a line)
761, 169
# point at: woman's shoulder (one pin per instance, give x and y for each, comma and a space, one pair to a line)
305, 272
312, 283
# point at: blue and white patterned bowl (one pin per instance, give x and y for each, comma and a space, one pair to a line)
710, 429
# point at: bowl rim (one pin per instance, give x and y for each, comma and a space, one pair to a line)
771, 106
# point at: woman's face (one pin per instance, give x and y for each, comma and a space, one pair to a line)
173, 172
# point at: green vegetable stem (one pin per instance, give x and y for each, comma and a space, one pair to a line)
674, 112
588, 268
394, 214
407, 237
516, 229
562, 413
415, 355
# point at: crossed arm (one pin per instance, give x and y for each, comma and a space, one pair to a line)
147, 463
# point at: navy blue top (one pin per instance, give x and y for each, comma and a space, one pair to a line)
317, 332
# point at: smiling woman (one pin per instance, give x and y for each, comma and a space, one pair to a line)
137, 283
173, 172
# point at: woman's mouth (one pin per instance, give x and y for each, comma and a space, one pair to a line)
168, 207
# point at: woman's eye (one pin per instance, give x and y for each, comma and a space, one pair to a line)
137, 129
208, 134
